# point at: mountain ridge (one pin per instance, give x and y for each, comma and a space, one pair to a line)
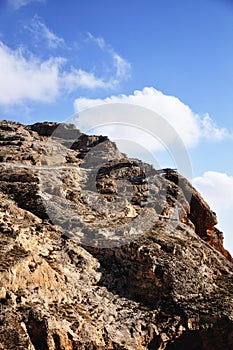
105, 252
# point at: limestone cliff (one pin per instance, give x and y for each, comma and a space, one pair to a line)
99, 251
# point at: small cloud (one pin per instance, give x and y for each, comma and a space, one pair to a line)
42, 33
16, 4
99, 41
121, 65
211, 131
79, 78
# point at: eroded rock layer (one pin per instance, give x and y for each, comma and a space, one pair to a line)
99, 251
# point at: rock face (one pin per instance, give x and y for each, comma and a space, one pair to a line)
99, 251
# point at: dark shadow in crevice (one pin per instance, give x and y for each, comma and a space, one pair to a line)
37, 331
217, 337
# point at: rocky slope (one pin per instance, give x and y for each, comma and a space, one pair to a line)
99, 251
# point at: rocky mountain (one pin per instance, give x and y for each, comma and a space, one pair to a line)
99, 251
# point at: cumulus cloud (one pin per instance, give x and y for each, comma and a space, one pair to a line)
27, 78
16, 4
217, 189
190, 126
43, 34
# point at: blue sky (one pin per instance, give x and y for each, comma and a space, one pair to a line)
174, 57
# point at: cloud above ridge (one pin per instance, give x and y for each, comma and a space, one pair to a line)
190, 126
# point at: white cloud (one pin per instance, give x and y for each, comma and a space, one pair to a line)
211, 131
43, 34
16, 4
121, 65
25, 77
98, 40
217, 189
190, 126
80, 78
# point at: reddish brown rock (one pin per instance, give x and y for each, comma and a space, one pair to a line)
203, 218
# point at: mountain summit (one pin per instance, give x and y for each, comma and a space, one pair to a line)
99, 251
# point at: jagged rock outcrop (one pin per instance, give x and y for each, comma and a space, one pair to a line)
99, 251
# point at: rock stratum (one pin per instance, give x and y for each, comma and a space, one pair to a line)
99, 251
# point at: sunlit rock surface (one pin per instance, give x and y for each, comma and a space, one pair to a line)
99, 251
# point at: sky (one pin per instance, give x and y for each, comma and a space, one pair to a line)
172, 57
